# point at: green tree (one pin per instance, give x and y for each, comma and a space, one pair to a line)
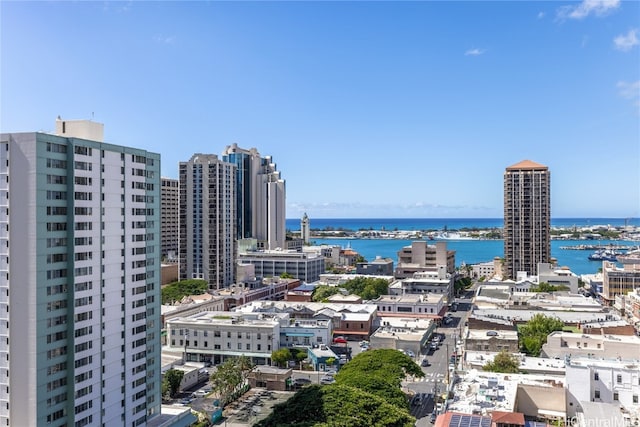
231, 375
367, 392
323, 292
331, 361
286, 275
367, 288
503, 362
281, 357
534, 334
546, 287
461, 284
165, 389
177, 290
380, 372
173, 377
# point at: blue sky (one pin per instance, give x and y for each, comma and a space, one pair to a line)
369, 109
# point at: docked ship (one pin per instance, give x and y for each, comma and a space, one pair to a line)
604, 255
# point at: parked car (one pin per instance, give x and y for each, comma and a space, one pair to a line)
410, 353
425, 362
327, 380
340, 340
301, 382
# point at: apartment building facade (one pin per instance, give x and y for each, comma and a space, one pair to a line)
527, 218
80, 279
170, 224
208, 243
420, 256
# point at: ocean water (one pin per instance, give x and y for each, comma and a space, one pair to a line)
425, 224
467, 251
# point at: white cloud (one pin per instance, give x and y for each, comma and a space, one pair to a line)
164, 39
588, 7
626, 42
631, 91
474, 52
540, 15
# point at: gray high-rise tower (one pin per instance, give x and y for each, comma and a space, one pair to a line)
260, 197
527, 217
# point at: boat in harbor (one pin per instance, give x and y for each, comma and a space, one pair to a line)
604, 255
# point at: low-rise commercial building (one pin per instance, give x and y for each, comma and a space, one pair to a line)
618, 281
273, 263
492, 340
605, 381
270, 377
426, 282
216, 336
408, 333
378, 267
561, 344
420, 305
351, 320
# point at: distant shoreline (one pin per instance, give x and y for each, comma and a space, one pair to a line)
427, 225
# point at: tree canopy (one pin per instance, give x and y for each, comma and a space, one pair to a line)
177, 290
172, 380
546, 287
367, 392
534, 334
367, 288
231, 375
503, 362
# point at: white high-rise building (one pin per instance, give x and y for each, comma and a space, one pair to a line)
79, 279
260, 197
208, 243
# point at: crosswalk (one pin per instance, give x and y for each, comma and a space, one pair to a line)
430, 377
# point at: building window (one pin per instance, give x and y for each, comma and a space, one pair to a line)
615, 396
635, 398
619, 380
596, 394
596, 376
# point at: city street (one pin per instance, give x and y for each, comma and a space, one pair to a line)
436, 378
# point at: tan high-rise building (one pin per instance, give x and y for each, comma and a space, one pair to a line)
527, 217
208, 244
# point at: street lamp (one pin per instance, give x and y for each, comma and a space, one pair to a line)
186, 337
